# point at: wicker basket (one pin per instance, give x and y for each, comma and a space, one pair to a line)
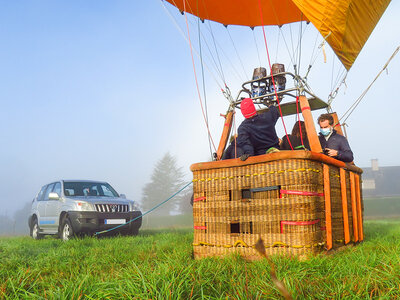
298, 202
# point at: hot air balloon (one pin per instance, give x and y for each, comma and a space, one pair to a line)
297, 201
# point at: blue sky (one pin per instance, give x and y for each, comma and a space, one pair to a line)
103, 89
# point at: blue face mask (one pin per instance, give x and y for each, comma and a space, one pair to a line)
325, 131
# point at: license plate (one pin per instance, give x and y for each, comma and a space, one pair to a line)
114, 221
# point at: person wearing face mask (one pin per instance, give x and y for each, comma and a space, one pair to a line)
332, 143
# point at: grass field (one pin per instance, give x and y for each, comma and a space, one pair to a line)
159, 265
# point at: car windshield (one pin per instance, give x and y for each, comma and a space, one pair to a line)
96, 189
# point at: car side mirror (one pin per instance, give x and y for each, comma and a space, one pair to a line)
54, 196
123, 196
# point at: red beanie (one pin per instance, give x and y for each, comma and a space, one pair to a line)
247, 107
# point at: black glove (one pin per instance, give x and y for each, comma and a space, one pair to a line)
244, 157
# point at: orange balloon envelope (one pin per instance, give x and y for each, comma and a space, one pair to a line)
346, 24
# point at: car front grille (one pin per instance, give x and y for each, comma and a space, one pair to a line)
112, 207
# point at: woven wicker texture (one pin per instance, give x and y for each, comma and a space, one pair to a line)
280, 201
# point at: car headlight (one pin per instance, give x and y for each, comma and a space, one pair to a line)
133, 206
85, 206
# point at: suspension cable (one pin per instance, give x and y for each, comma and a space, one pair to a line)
186, 39
221, 49
340, 79
195, 76
294, 53
315, 46
298, 118
272, 76
315, 55
212, 57
347, 114
237, 73
255, 42
333, 68
235, 132
225, 91
287, 48
204, 85
339, 75
338, 85
298, 49
321, 47
216, 51
219, 68
277, 46
237, 53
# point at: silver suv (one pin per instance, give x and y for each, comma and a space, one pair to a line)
71, 207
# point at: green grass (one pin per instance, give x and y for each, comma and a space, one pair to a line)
159, 265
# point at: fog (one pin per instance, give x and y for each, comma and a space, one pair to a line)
102, 90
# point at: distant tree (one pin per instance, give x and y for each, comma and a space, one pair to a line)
21, 219
167, 178
6, 225
18, 224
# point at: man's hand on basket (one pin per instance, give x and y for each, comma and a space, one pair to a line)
244, 157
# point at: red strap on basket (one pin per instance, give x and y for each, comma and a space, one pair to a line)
298, 223
200, 227
302, 193
199, 199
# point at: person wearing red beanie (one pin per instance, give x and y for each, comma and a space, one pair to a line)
257, 134
248, 109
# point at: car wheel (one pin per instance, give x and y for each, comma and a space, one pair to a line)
35, 230
66, 232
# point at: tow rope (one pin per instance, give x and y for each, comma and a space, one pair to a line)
147, 212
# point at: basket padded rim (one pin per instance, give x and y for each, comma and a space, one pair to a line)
282, 155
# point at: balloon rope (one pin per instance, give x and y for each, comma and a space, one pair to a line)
298, 118
347, 114
195, 77
204, 85
174, 21
234, 133
287, 47
272, 75
217, 53
255, 42
237, 53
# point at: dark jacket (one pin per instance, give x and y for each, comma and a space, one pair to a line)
295, 141
257, 134
230, 151
339, 143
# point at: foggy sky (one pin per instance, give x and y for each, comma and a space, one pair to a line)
103, 89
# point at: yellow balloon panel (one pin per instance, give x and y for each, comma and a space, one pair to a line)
347, 24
